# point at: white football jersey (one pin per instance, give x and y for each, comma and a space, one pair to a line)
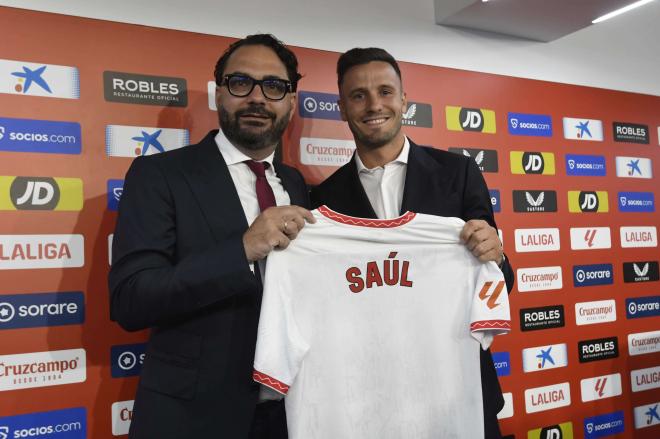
371, 328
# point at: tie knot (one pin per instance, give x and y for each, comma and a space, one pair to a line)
259, 168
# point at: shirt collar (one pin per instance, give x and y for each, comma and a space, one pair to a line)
401, 158
233, 155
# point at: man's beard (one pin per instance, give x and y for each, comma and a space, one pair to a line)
374, 141
255, 141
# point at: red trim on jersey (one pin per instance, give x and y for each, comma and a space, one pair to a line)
269, 381
366, 222
491, 324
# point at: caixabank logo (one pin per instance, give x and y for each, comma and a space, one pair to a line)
418, 114
634, 167
544, 317
600, 387
35, 79
41, 309
41, 251
647, 415
502, 361
534, 201
557, 431
57, 424
592, 275
130, 141
126, 360
42, 369
585, 165
641, 271
41, 193
526, 162
637, 307
486, 159
135, 88
598, 349
643, 343
583, 129
636, 202
318, 105
523, 124
642, 236
645, 379
630, 132
40, 136
588, 201
544, 357
115, 189
539, 399
604, 425
470, 119
495, 200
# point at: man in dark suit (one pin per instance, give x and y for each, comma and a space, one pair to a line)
390, 175
189, 249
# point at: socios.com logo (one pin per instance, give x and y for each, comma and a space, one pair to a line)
523, 124
604, 425
318, 105
636, 202
115, 190
66, 424
44, 136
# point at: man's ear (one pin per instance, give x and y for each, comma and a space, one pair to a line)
218, 100
342, 111
294, 103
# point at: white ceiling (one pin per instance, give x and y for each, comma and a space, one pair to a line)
620, 54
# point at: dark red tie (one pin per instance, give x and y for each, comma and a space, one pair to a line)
265, 195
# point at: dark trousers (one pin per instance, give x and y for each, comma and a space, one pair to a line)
269, 421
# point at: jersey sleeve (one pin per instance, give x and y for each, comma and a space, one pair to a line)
280, 346
490, 314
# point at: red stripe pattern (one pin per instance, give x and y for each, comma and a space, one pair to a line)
366, 222
269, 381
491, 324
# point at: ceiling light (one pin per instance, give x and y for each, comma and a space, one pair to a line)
621, 11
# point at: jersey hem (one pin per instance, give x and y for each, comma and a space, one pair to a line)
270, 382
366, 222
504, 325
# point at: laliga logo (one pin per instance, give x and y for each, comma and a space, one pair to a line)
492, 298
7, 313
127, 360
310, 104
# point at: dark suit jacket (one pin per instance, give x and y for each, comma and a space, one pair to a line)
179, 268
437, 183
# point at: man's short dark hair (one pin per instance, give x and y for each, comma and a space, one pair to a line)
285, 55
359, 56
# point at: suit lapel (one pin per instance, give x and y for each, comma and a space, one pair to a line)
212, 185
297, 193
351, 199
426, 189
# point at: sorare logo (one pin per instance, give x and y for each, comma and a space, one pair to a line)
470, 119
41, 193
68, 423
115, 189
636, 201
604, 425
41, 309
318, 105
35, 79
495, 200
502, 361
126, 360
40, 136
134, 88
585, 165
523, 124
637, 307
590, 275
486, 159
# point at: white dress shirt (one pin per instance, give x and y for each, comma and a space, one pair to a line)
384, 184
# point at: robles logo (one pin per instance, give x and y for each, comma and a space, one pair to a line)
630, 132
545, 317
41, 369
67, 423
598, 349
41, 309
133, 88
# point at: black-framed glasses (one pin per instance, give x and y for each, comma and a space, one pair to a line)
242, 85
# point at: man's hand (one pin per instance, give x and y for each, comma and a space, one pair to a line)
275, 227
482, 240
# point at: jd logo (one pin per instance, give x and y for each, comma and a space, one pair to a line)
552, 432
471, 119
588, 201
34, 193
533, 163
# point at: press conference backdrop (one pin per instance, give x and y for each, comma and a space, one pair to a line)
573, 174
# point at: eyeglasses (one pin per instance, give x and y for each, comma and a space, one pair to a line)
242, 85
